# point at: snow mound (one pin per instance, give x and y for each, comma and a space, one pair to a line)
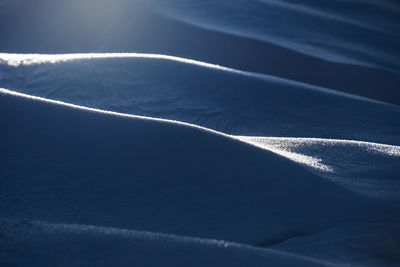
339, 32
359, 33
203, 94
45, 244
356, 244
76, 166
183, 91
244, 133
364, 167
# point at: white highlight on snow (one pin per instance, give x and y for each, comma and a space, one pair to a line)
128, 233
288, 142
146, 237
280, 149
289, 147
16, 60
283, 146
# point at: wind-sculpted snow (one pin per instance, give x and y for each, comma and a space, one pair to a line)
199, 133
348, 32
97, 168
364, 167
134, 26
127, 165
16, 60
121, 247
133, 84
203, 94
356, 244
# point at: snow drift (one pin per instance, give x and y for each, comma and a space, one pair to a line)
365, 37
339, 32
81, 167
209, 95
208, 133
221, 98
121, 247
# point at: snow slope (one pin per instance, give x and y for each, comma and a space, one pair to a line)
357, 244
219, 98
210, 185
353, 32
135, 26
121, 247
199, 133
201, 93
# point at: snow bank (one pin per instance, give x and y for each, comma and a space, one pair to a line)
73, 166
201, 93
68, 244
339, 32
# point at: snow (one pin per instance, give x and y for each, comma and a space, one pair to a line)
199, 133
210, 186
128, 247
316, 33
364, 244
204, 95
312, 152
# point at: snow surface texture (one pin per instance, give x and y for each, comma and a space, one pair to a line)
234, 198
357, 170
127, 247
322, 30
243, 145
213, 105
133, 26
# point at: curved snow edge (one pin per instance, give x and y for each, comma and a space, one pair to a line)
255, 141
147, 236
16, 60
